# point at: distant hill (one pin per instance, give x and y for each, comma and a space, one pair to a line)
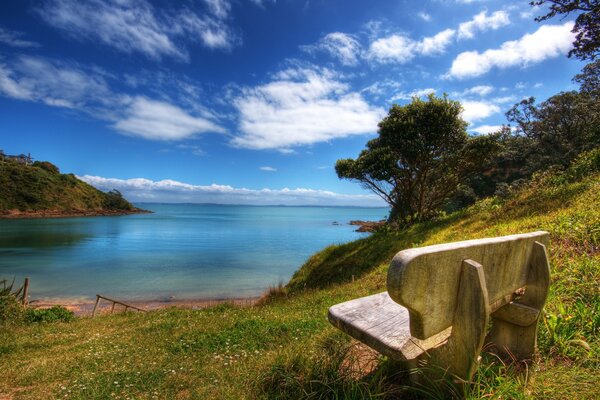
38, 189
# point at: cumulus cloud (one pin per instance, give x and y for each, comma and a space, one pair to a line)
482, 22
486, 129
436, 44
398, 48
157, 120
480, 90
547, 42
140, 189
395, 48
301, 106
340, 45
136, 26
476, 110
268, 169
15, 39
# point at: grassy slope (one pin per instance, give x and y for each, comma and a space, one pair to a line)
33, 188
286, 348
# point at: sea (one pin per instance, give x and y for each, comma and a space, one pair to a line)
180, 251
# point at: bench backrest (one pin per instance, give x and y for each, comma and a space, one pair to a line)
425, 280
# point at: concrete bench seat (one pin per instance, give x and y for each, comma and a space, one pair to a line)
441, 298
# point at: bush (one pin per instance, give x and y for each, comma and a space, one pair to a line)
585, 164
48, 166
54, 314
11, 311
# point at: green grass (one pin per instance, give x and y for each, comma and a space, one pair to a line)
285, 348
41, 187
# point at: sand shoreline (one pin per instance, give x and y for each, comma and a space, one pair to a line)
84, 307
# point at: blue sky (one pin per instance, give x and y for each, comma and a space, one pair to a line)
250, 101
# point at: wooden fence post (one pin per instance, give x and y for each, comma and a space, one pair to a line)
96, 305
25, 290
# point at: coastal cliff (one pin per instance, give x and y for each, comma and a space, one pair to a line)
39, 190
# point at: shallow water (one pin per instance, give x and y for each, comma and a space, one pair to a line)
180, 251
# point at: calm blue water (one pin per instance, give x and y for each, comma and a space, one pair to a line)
182, 250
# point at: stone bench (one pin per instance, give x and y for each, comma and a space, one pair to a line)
440, 300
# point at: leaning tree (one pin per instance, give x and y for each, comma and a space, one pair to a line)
420, 157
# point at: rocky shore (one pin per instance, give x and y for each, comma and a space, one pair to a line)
367, 226
14, 214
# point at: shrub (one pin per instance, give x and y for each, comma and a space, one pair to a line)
11, 311
586, 163
54, 314
48, 166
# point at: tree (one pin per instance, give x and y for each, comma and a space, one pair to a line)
587, 24
589, 79
420, 157
559, 128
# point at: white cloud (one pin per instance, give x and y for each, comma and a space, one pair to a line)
547, 42
398, 48
56, 84
486, 129
85, 89
268, 169
476, 110
300, 107
340, 45
157, 120
414, 93
220, 8
481, 22
395, 48
424, 16
135, 26
140, 189
14, 39
480, 90
436, 44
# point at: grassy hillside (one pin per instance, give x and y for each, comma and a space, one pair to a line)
285, 348
41, 186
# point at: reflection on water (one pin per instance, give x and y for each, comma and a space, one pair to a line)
181, 250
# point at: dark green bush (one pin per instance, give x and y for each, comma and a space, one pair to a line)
54, 314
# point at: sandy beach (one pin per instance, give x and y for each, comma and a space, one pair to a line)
84, 307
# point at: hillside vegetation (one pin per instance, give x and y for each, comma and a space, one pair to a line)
41, 187
285, 348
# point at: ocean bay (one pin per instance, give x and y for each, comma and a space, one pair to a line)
181, 251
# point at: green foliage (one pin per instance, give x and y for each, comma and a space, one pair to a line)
11, 311
422, 154
11, 308
46, 165
586, 164
558, 129
114, 201
41, 187
53, 314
